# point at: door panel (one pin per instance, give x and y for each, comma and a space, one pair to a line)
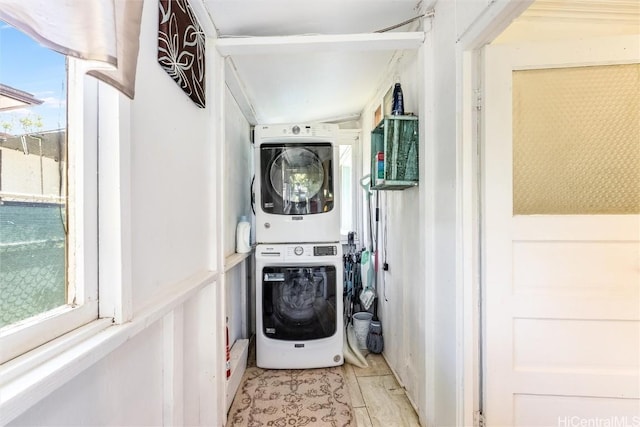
562, 297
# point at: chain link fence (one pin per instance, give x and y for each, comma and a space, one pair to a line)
32, 259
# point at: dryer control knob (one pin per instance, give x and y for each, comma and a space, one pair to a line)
298, 250
267, 225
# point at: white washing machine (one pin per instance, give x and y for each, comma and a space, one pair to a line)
299, 305
296, 183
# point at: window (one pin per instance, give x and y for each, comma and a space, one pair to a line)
47, 264
575, 141
350, 192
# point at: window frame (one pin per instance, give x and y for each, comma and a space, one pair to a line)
351, 137
82, 239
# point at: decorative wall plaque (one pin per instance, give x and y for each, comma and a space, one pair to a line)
181, 44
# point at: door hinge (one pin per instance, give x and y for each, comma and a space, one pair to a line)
478, 419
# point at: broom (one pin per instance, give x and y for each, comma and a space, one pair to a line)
375, 342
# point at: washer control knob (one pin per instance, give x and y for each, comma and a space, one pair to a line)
298, 250
295, 129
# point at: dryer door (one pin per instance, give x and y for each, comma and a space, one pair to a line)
299, 303
297, 179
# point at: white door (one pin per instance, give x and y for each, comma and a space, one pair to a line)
561, 247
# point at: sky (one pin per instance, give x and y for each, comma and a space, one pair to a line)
27, 66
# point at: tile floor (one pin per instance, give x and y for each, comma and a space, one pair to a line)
376, 396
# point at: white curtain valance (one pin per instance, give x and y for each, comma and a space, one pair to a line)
99, 30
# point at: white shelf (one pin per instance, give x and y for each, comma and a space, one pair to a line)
239, 354
235, 259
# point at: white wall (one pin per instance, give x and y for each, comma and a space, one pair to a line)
421, 312
171, 173
123, 389
401, 290
453, 20
29, 173
172, 147
167, 372
238, 156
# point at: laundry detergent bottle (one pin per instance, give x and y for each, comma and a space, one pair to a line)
243, 232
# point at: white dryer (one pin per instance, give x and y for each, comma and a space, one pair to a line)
296, 183
299, 306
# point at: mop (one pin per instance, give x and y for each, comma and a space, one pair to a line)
375, 342
367, 295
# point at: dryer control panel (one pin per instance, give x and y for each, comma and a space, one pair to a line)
324, 130
298, 251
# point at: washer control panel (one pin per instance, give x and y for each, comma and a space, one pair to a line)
328, 250
295, 252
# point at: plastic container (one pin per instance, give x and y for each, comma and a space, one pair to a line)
243, 233
361, 321
397, 106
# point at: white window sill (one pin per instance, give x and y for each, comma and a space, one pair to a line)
27, 379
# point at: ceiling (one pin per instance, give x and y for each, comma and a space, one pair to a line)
310, 60
331, 75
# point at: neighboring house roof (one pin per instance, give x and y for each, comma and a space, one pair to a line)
11, 98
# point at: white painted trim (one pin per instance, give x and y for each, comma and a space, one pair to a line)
467, 241
173, 367
213, 378
495, 18
31, 377
20, 366
619, 11
204, 17
238, 91
427, 203
488, 25
114, 130
22, 338
210, 377
82, 267
353, 138
317, 43
82, 183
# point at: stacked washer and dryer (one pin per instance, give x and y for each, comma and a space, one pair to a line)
298, 253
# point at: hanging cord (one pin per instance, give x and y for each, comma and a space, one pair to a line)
377, 222
376, 260
408, 21
253, 195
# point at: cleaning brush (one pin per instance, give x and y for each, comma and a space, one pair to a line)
375, 342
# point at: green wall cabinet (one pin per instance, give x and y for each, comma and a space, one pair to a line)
394, 153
